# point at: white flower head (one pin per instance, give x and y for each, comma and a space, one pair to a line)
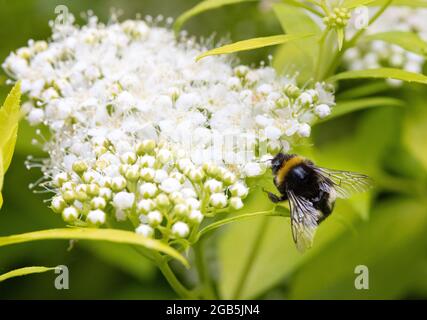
147, 137
124, 200
180, 229
96, 217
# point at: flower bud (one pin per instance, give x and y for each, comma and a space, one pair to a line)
180, 229
128, 158
154, 218
132, 173
181, 210
147, 161
79, 167
60, 179
70, 214
236, 203
193, 203
196, 175
96, 217
145, 230
69, 196
176, 197
148, 190
195, 216
92, 189
123, 168
145, 146
213, 185
239, 190
68, 186
147, 174
162, 200
98, 203
292, 91
211, 169
322, 110
170, 185
118, 184
124, 200
218, 200
188, 193
145, 206
105, 193
58, 204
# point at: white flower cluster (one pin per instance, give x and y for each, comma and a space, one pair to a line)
376, 54
141, 129
151, 186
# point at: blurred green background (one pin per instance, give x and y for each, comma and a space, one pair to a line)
386, 230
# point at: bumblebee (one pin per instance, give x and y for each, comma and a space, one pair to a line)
311, 192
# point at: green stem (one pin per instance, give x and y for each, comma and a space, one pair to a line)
353, 40
251, 259
173, 281
207, 286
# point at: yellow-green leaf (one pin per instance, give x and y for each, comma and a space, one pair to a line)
254, 43
202, 7
23, 272
9, 119
110, 235
345, 107
350, 4
1, 180
408, 3
297, 56
381, 73
407, 40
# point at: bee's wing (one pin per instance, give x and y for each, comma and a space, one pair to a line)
304, 219
345, 183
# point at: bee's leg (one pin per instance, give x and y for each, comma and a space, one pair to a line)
275, 198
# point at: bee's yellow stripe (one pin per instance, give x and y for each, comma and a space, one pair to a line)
283, 171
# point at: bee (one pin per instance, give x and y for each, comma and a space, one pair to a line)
311, 192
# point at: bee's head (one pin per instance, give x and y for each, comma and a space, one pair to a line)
279, 160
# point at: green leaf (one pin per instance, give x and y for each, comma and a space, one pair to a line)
408, 3
415, 132
1, 181
407, 40
257, 254
202, 7
299, 55
9, 118
381, 73
23, 272
350, 4
393, 241
297, 3
110, 235
253, 43
346, 107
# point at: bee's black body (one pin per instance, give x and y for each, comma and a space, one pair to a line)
300, 178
